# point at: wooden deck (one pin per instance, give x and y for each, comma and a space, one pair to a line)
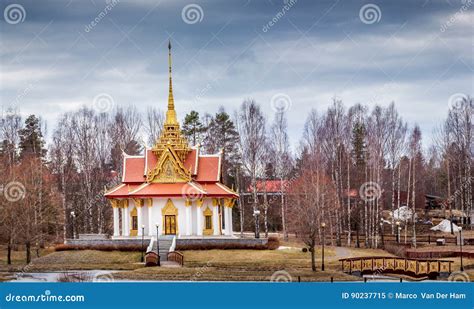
396, 265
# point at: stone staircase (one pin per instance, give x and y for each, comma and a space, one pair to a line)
165, 245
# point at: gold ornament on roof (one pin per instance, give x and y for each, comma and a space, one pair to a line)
171, 147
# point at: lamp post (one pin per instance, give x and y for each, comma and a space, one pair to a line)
381, 232
398, 231
158, 243
256, 214
323, 225
143, 233
460, 246
73, 216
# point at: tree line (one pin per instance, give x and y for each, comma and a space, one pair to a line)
371, 151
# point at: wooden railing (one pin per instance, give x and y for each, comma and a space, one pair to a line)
176, 256
151, 259
428, 239
384, 264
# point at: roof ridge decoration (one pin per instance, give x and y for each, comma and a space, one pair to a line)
172, 147
169, 169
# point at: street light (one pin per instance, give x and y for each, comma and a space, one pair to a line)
158, 243
323, 225
143, 233
460, 246
73, 215
398, 231
256, 214
381, 231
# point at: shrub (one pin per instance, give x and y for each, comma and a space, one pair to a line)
272, 244
399, 250
66, 247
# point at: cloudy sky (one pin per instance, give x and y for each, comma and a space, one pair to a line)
56, 56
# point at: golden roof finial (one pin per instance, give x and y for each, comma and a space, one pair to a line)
170, 113
171, 136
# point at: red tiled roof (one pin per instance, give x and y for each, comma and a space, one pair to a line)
218, 189
204, 169
133, 169
191, 163
271, 186
208, 169
167, 189
191, 190
121, 190
150, 160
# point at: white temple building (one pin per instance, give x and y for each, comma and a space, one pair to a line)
172, 187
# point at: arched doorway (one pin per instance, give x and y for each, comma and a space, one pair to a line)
170, 218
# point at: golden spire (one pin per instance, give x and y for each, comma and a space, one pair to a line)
170, 113
171, 137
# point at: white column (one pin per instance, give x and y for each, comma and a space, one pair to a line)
231, 230
215, 219
188, 220
226, 217
123, 221
126, 232
199, 221
139, 220
151, 223
116, 222
159, 219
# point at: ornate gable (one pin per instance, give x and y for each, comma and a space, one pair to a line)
169, 169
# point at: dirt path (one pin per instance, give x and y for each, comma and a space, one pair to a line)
342, 252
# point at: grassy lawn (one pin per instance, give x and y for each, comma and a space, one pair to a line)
206, 265
18, 261
210, 265
244, 265
86, 260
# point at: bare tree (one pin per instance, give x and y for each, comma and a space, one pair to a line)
312, 198
154, 121
396, 133
282, 160
251, 128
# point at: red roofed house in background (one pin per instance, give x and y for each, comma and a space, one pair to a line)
172, 186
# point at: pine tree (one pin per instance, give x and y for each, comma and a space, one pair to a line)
358, 142
193, 127
31, 138
222, 135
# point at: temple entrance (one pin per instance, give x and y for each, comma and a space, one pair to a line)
170, 225
134, 223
